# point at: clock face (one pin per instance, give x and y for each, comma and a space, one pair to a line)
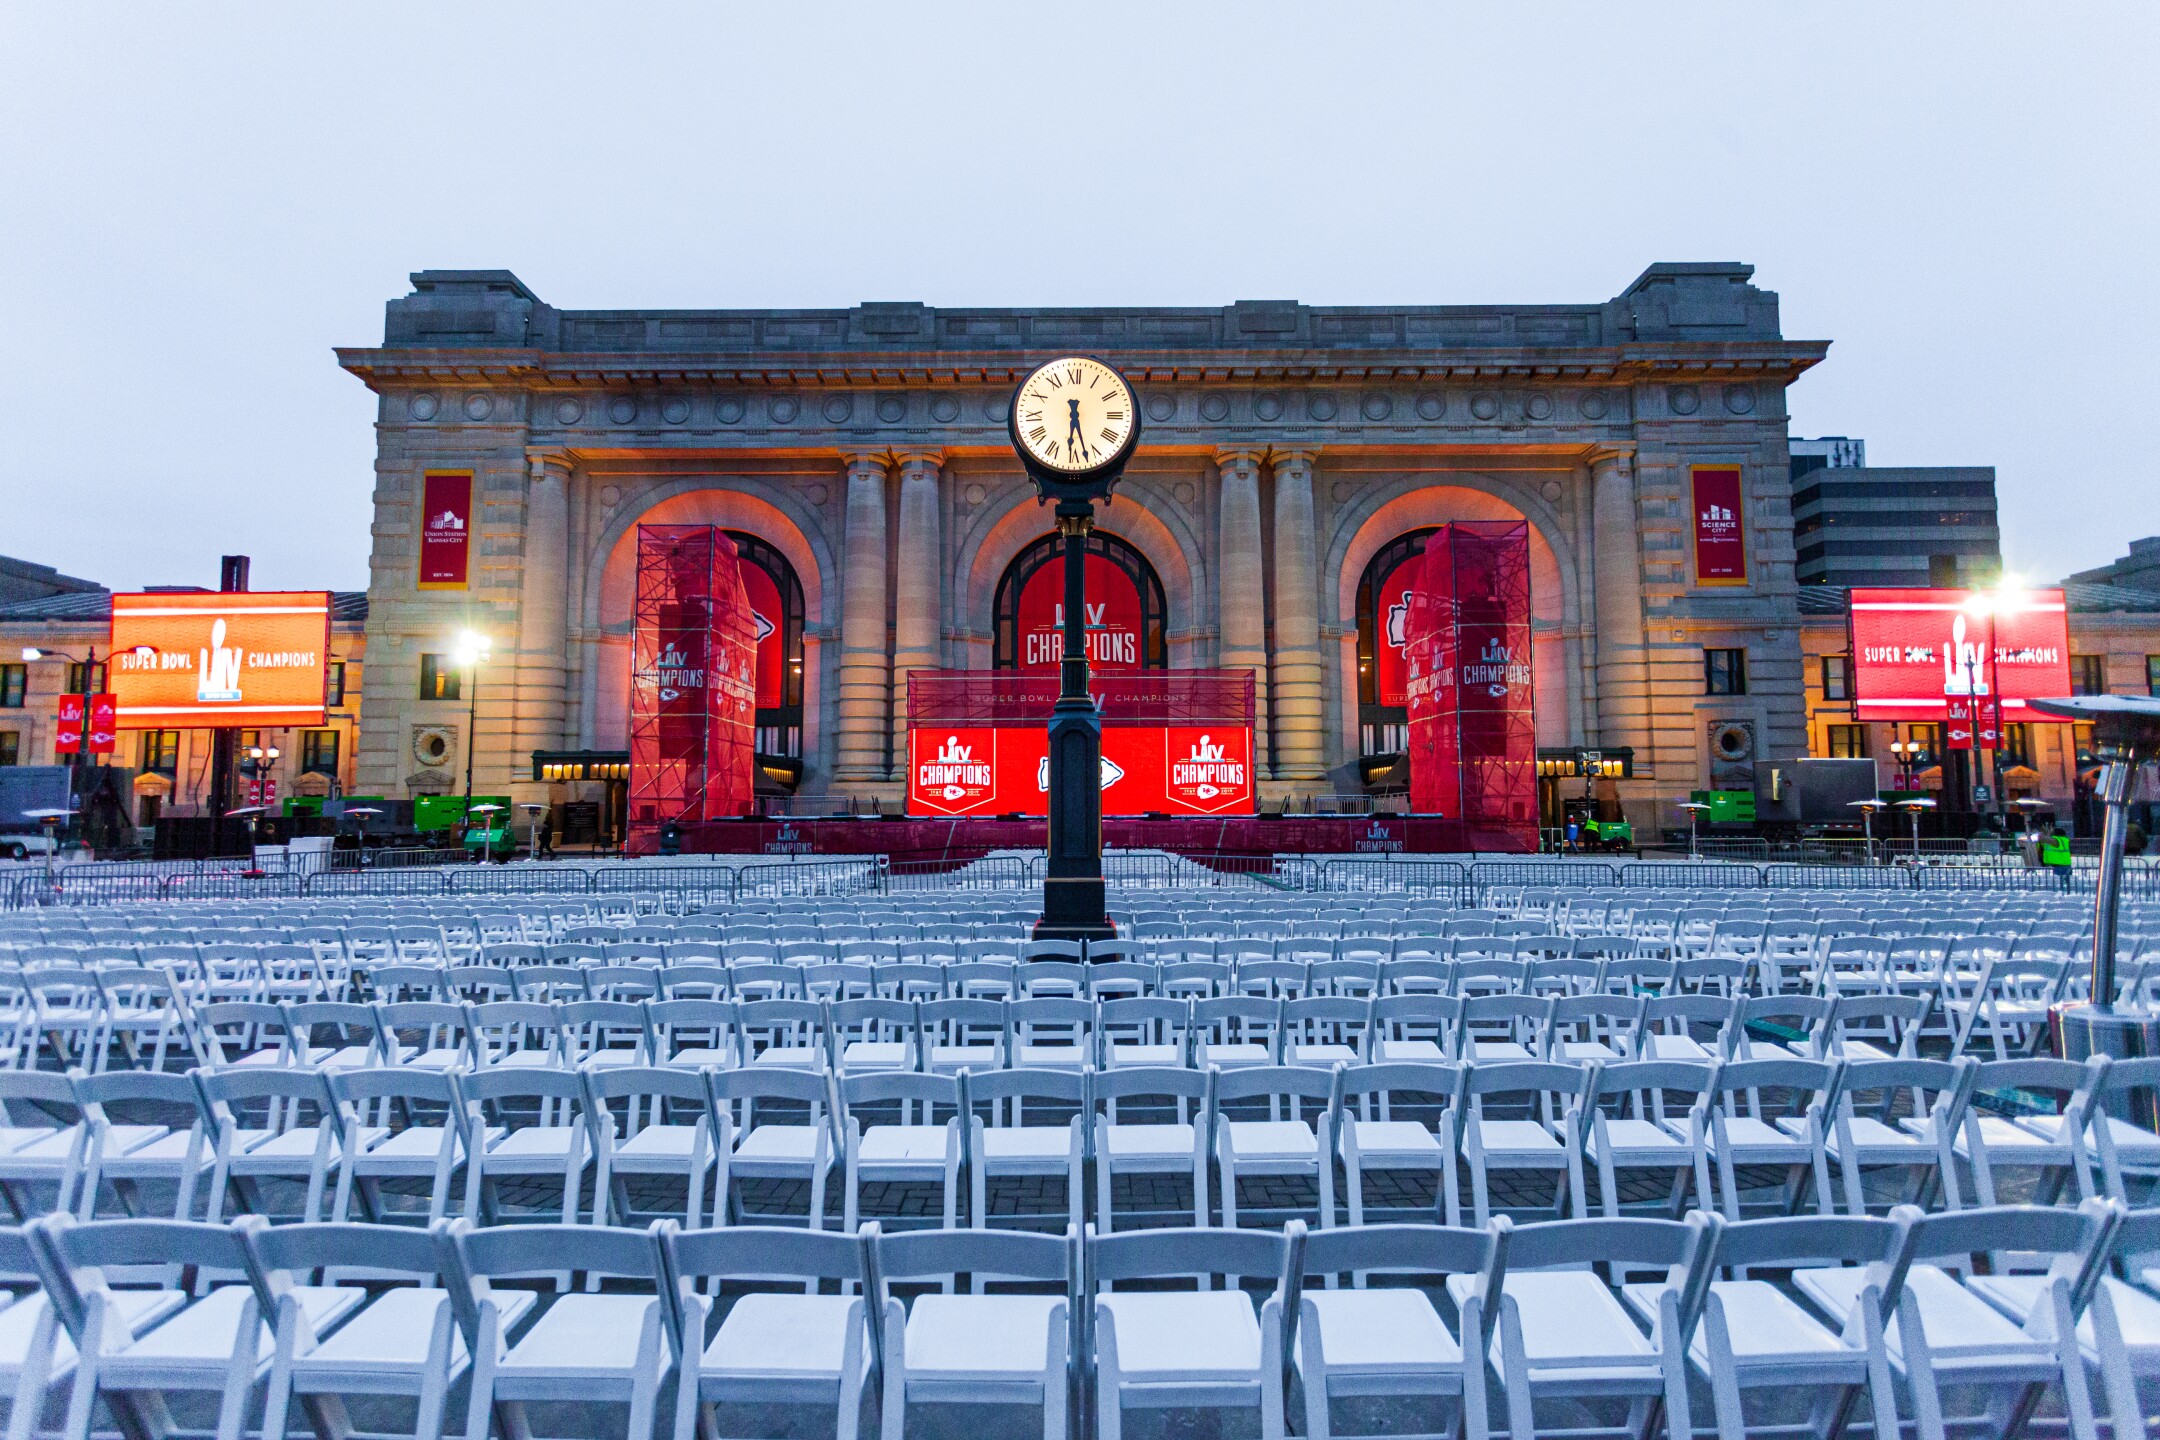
1074, 415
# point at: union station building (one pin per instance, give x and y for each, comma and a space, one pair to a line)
1293, 457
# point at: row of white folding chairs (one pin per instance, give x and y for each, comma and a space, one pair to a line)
1622, 1313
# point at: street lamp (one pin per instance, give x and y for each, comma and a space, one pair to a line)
1867, 809
265, 758
471, 650
32, 653
1694, 810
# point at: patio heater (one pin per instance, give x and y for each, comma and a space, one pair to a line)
2126, 734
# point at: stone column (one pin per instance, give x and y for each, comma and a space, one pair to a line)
1623, 682
918, 588
542, 640
1242, 599
865, 664
1299, 685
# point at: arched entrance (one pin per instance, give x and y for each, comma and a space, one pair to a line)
1383, 718
776, 599
1128, 621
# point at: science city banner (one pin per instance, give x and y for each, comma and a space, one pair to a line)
213, 659
1720, 525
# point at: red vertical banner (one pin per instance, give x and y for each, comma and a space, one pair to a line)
1473, 725
732, 688
1958, 724
1391, 611
768, 618
1116, 638
1720, 525
68, 736
693, 683
104, 724
446, 530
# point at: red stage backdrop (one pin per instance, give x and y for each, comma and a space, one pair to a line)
445, 529
1113, 618
1473, 730
1720, 526
693, 683
1927, 655
1175, 742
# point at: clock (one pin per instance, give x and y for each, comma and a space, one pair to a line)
1074, 423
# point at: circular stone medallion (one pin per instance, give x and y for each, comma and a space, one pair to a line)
1538, 406
569, 412
1184, 492
944, 409
1159, 407
1739, 399
783, 409
892, 408
423, 406
730, 409
1377, 407
1320, 407
1684, 399
1485, 406
1431, 407
478, 406
609, 494
1268, 407
1214, 407
622, 409
1593, 406
675, 410
838, 407
975, 494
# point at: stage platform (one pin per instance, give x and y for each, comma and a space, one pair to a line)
912, 838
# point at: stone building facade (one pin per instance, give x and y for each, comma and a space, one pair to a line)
1286, 447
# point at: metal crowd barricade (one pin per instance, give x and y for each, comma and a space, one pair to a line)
1837, 877
811, 877
415, 880
234, 885
985, 872
1575, 874
520, 880
1393, 875
1677, 875
705, 881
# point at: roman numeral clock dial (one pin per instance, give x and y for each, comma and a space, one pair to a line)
1074, 423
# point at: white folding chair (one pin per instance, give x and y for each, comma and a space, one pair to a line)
1389, 1340
1188, 1349
551, 1138
1625, 1126
1286, 1143
772, 1349
1536, 1129
1001, 1143
977, 1347
1372, 1138
604, 1348
1174, 1145
801, 1143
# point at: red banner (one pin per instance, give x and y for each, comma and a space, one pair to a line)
446, 530
1473, 730
768, 619
104, 724
1917, 651
1005, 770
68, 737
1391, 611
693, 683
1958, 725
1113, 617
1720, 526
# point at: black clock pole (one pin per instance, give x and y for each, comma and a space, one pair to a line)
1073, 902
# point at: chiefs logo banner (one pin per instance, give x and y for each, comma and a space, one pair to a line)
1113, 617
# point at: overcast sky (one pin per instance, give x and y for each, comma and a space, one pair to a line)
198, 201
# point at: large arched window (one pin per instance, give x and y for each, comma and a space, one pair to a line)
1127, 620
1383, 719
776, 598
